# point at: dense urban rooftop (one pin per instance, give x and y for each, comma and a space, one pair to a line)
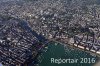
77, 19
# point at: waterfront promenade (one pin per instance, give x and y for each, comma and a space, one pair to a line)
71, 42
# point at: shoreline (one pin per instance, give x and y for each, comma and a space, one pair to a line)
91, 52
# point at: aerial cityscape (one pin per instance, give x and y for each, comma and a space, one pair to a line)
49, 32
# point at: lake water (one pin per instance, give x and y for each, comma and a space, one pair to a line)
56, 50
